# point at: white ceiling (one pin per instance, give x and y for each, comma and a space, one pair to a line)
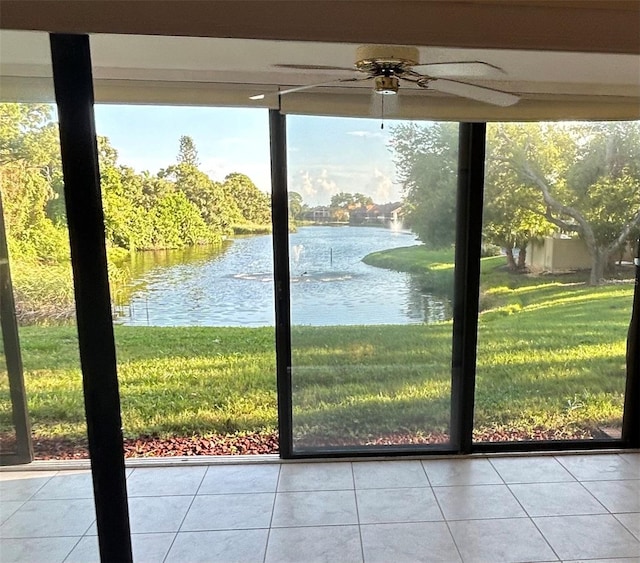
219, 63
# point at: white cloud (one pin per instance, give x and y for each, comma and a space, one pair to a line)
304, 186
315, 188
381, 187
367, 134
326, 184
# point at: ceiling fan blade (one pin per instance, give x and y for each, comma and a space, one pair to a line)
459, 68
314, 67
308, 87
465, 90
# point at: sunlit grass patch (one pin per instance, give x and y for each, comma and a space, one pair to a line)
551, 359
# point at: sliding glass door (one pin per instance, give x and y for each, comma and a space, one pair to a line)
560, 215
371, 252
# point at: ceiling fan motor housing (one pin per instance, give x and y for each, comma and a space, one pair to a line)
386, 60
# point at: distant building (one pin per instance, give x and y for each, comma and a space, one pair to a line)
385, 214
320, 214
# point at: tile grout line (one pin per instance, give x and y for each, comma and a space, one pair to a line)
273, 509
510, 518
525, 510
615, 515
624, 462
175, 537
34, 493
73, 548
444, 519
607, 511
530, 518
7, 516
355, 494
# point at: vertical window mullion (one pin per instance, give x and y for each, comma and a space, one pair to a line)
73, 85
280, 218
471, 155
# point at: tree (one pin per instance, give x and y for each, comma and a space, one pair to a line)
588, 176
579, 178
295, 205
217, 210
342, 200
29, 160
254, 205
426, 159
362, 200
177, 223
513, 212
188, 153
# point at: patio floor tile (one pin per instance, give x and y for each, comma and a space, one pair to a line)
588, 537
515, 539
617, 496
225, 546
539, 469
315, 477
49, 518
315, 508
478, 501
409, 542
165, 481
229, 512
146, 548
36, 550
376, 506
225, 479
447, 472
314, 544
389, 474
556, 499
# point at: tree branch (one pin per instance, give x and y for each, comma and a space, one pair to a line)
585, 229
624, 235
560, 223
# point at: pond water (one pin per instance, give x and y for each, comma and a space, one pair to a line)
233, 285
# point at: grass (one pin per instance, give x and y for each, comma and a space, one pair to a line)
550, 358
433, 268
551, 350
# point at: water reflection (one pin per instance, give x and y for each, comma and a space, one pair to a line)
233, 285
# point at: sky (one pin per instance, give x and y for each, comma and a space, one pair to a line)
326, 155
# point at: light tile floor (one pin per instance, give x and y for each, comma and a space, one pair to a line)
541, 508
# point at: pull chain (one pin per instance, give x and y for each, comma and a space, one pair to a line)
382, 113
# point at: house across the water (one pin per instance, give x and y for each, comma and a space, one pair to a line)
385, 214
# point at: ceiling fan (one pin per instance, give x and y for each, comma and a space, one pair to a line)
387, 65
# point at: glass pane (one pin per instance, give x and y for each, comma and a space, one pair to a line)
371, 304
557, 280
34, 213
188, 224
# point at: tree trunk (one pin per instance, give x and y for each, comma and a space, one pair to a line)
511, 263
599, 260
522, 258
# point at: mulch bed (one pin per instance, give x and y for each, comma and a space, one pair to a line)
153, 446
266, 443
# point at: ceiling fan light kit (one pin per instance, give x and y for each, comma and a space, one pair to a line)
386, 85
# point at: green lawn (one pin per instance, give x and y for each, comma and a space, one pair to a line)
550, 359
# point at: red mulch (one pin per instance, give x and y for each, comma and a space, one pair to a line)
152, 446
264, 443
